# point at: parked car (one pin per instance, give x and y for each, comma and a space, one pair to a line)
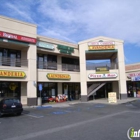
10, 106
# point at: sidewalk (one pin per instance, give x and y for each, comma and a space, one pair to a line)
68, 103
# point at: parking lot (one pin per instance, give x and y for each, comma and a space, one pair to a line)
46, 120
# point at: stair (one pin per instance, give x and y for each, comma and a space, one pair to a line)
92, 87
95, 89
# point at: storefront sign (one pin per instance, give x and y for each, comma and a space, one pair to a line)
133, 75
101, 47
17, 37
53, 76
102, 69
13, 86
137, 78
45, 45
65, 49
101, 76
112, 98
12, 74
101, 43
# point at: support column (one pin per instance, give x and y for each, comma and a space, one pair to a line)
83, 75
59, 88
122, 77
59, 63
24, 93
32, 76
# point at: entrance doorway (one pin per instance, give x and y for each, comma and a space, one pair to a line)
101, 92
72, 90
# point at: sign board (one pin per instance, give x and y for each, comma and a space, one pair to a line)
12, 74
101, 43
17, 37
104, 69
40, 87
133, 75
112, 97
111, 47
54, 76
137, 78
45, 45
102, 76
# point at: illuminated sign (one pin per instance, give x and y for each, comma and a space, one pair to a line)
12, 74
137, 78
133, 75
101, 76
17, 37
111, 47
102, 69
54, 76
101, 43
45, 45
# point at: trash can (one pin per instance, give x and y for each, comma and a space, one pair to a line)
39, 101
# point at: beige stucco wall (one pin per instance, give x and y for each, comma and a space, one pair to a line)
55, 42
17, 27
42, 76
83, 46
25, 70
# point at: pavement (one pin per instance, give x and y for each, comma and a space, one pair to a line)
69, 103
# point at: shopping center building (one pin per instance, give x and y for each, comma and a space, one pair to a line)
32, 66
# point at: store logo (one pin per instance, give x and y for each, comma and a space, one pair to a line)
131, 133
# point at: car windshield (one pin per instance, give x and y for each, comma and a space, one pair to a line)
12, 101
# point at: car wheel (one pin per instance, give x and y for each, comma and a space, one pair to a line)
19, 113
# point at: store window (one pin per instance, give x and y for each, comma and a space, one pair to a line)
10, 89
70, 64
46, 61
10, 57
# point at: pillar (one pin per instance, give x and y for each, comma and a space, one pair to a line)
83, 75
32, 76
121, 68
24, 93
59, 88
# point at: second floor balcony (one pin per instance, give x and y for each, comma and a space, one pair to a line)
13, 62
56, 66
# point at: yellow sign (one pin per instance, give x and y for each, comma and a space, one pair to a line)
112, 98
108, 47
58, 76
12, 74
13, 86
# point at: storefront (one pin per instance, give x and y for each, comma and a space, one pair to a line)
133, 88
72, 90
49, 89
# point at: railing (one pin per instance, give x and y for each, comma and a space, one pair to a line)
69, 67
46, 65
56, 66
13, 62
92, 66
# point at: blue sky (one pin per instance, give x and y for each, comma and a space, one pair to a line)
76, 20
